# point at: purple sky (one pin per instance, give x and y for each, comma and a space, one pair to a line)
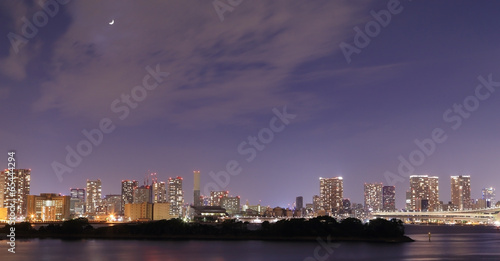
225, 77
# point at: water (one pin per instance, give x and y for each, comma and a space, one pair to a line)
447, 243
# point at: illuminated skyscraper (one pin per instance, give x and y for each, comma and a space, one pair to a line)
22, 184
460, 192
197, 199
389, 198
373, 196
216, 197
489, 197
331, 193
231, 204
127, 193
175, 196
93, 196
316, 203
408, 201
434, 193
159, 191
424, 189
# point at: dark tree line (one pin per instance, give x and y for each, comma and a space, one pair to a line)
319, 226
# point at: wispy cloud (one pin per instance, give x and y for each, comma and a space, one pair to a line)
222, 70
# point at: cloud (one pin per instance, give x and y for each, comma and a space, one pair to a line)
219, 72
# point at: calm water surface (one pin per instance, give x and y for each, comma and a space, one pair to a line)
447, 243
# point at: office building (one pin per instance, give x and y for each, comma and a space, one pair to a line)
299, 203
460, 192
77, 202
22, 184
373, 196
424, 189
197, 199
389, 198
159, 192
331, 194
175, 196
434, 204
231, 204
112, 204
489, 197
316, 203
138, 211
48, 207
128, 193
77, 193
216, 197
94, 196
142, 194
161, 211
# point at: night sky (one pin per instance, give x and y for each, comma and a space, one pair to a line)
226, 80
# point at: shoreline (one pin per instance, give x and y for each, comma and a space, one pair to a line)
402, 239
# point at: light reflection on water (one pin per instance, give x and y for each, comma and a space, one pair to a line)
447, 243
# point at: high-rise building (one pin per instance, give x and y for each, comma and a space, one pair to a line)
94, 196
77, 201
373, 196
231, 204
127, 193
142, 194
216, 197
434, 204
489, 197
424, 188
316, 203
22, 184
48, 207
175, 196
159, 192
299, 203
460, 192
408, 201
389, 198
77, 193
331, 192
197, 199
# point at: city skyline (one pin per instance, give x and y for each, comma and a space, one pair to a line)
419, 187
170, 88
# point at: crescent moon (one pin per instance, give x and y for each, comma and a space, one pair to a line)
112, 22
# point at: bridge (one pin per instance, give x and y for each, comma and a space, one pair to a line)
487, 216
